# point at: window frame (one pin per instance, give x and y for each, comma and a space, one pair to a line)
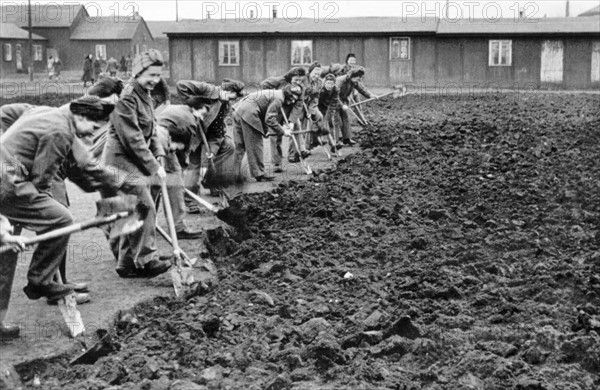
302, 62
7, 52
103, 51
38, 53
491, 55
229, 43
409, 51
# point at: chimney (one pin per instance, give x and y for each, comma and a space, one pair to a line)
521, 11
251, 14
274, 12
208, 16
567, 10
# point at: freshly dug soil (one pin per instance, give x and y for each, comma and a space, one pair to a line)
459, 250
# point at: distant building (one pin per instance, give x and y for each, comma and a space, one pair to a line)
14, 43
552, 52
71, 33
110, 37
51, 21
161, 41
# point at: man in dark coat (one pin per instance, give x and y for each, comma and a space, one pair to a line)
40, 142
133, 147
254, 117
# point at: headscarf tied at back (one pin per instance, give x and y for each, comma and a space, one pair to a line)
143, 61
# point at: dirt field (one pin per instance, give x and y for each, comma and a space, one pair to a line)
457, 250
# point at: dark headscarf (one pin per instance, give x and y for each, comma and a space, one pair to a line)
106, 87
196, 94
233, 86
92, 107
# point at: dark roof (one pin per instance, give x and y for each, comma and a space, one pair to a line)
43, 15
306, 26
107, 28
592, 12
11, 31
520, 26
158, 27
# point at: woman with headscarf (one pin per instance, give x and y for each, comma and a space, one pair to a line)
133, 147
258, 115
34, 149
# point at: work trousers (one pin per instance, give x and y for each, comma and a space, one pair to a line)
247, 140
40, 213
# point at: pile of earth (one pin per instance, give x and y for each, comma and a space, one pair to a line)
458, 250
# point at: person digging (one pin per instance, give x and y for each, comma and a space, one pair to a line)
211, 135
40, 143
254, 117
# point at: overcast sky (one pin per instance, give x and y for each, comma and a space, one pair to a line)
194, 9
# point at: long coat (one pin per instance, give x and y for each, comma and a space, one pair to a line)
88, 70
261, 110
133, 145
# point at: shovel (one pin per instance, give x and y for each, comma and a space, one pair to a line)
232, 215
304, 165
68, 309
125, 211
179, 276
398, 90
358, 114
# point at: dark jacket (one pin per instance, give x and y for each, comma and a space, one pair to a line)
133, 145
329, 101
278, 82
88, 70
346, 86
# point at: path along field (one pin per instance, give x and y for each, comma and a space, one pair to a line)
458, 250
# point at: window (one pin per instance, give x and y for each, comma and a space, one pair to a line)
229, 53
501, 53
399, 48
37, 52
101, 52
302, 53
7, 52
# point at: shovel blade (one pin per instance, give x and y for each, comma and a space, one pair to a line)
177, 282
72, 316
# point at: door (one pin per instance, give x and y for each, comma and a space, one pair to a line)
596, 62
552, 62
18, 57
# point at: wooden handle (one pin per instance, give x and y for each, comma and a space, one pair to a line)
201, 201
77, 227
169, 217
